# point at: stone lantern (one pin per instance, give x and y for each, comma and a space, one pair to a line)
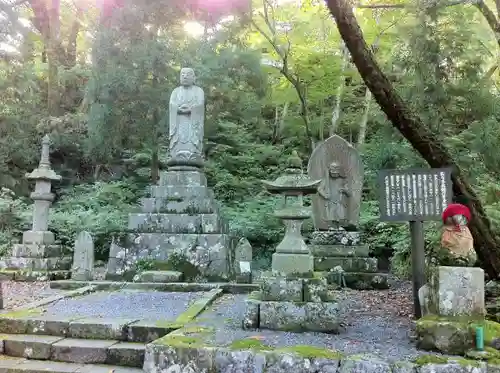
292, 254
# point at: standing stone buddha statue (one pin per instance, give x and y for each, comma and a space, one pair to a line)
186, 122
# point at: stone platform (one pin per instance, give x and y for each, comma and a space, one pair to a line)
336, 249
299, 305
180, 216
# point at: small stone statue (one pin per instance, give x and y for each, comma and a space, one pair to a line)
334, 195
456, 236
186, 122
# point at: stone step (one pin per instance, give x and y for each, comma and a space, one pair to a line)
126, 330
182, 192
21, 365
79, 351
188, 205
175, 223
340, 250
159, 276
348, 264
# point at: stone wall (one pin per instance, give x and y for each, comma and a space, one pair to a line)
199, 359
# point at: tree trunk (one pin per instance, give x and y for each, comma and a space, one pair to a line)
340, 91
415, 131
364, 118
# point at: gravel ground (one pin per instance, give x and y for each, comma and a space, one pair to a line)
125, 304
16, 294
377, 322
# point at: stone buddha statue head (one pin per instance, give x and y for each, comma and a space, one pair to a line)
187, 76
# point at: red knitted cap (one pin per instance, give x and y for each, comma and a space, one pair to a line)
456, 209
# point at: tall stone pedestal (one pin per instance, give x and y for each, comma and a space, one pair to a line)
180, 215
339, 248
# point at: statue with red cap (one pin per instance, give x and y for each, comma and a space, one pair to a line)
456, 236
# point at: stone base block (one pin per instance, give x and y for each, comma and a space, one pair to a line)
36, 251
360, 251
446, 336
457, 292
175, 223
293, 316
369, 265
292, 263
159, 276
38, 237
360, 280
185, 206
209, 252
37, 264
179, 193
191, 178
336, 237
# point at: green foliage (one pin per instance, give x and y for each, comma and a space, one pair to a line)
100, 208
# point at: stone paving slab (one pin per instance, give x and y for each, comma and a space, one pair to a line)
124, 304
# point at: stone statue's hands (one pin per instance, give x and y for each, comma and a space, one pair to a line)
184, 109
345, 192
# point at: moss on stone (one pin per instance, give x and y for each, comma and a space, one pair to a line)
22, 313
168, 324
179, 341
430, 359
249, 344
310, 352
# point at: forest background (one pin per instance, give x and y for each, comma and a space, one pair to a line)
277, 78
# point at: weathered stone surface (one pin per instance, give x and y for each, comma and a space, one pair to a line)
96, 328
146, 331
336, 237
292, 263
342, 185
177, 206
126, 354
36, 250
364, 364
13, 325
251, 315
29, 346
81, 351
315, 290
453, 368
159, 276
360, 280
37, 264
457, 291
243, 255
360, 251
348, 264
209, 252
282, 289
448, 337
83, 258
176, 223
309, 316
48, 325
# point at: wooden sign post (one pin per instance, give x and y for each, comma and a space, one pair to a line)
415, 196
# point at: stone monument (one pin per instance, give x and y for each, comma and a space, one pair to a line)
336, 207
180, 215
290, 297
38, 256
83, 258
